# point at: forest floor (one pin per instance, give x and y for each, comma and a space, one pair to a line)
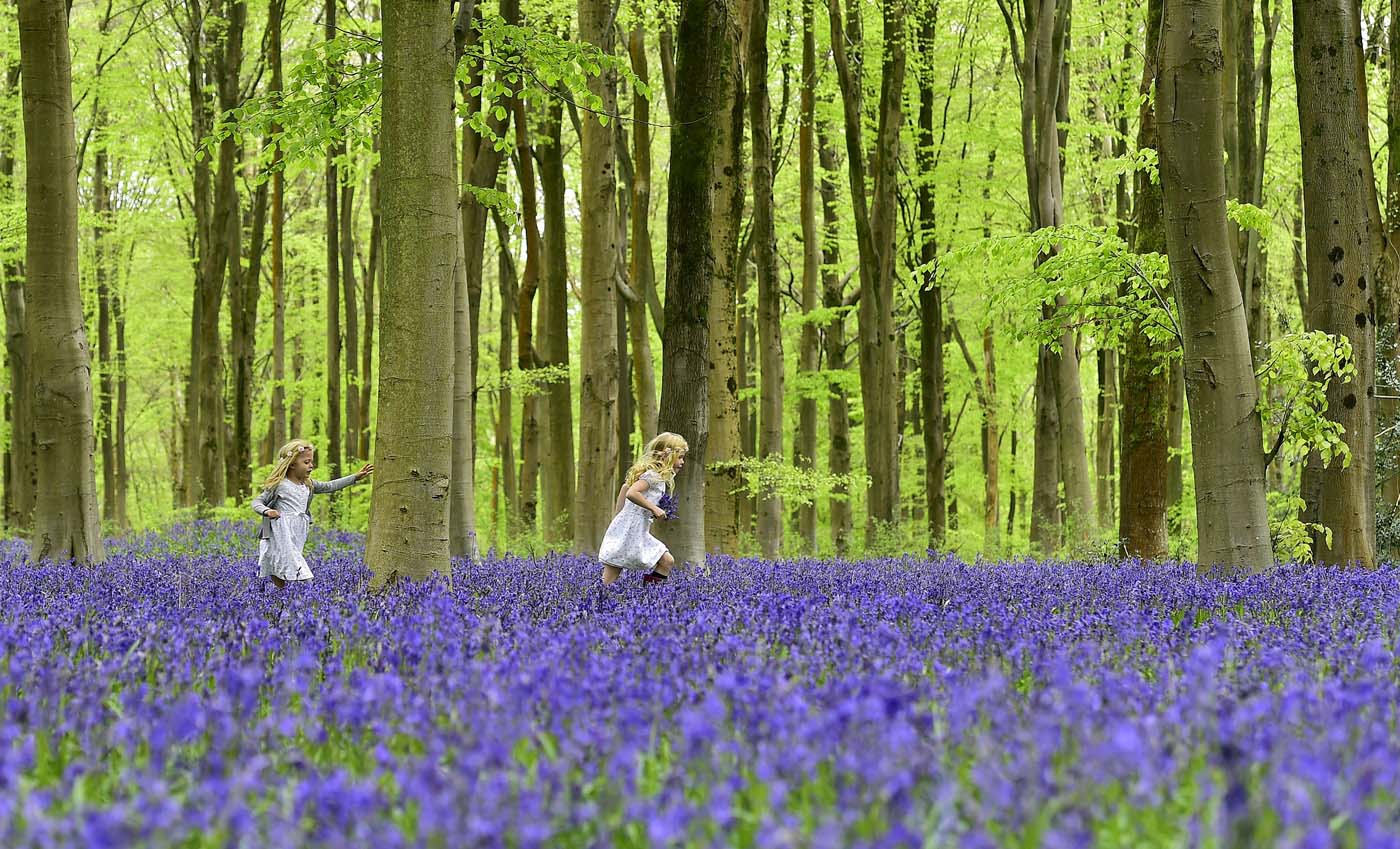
168, 699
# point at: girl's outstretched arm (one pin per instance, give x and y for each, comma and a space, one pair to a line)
340, 483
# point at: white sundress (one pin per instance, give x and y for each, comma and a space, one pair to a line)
281, 555
628, 543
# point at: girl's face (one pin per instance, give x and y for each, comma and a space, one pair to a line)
679, 462
303, 464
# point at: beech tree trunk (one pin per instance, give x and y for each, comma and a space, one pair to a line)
598, 448
809, 357
1226, 450
834, 349
277, 431
373, 272
557, 450
414, 441
642, 269
931, 366
1340, 268
704, 36
505, 402
875, 223
724, 448
526, 359
770, 335
336, 151
65, 512
19, 454
350, 294
1144, 474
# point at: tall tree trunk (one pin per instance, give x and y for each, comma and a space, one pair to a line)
19, 454
597, 276
1340, 268
277, 435
1226, 451
875, 229
414, 442
101, 208
834, 349
809, 357
1143, 466
374, 272
770, 335
526, 359
704, 33
65, 512
642, 271
123, 476
931, 366
505, 402
724, 447
333, 270
350, 294
557, 450
1388, 261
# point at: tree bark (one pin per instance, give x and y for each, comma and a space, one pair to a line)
505, 402
557, 451
350, 295
524, 316
373, 273
705, 35
1144, 473
642, 270
333, 269
19, 453
770, 336
277, 435
931, 365
598, 393
809, 356
1226, 450
65, 512
834, 349
875, 228
414, 442
1340, 267
724, 447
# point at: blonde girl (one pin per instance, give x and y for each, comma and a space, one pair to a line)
628, 543
285, 505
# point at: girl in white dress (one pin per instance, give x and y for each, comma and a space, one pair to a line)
285, 505
628, 543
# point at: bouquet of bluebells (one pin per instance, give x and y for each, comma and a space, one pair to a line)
667, 503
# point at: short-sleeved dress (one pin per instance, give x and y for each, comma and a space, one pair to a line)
280, 556
628, 543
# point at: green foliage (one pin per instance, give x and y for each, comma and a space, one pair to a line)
1293, 394
762, 477
1293, 538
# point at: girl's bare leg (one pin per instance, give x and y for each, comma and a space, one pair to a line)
611, 573
663, 566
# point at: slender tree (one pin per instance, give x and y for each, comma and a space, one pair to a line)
809, 355
334, 154
557, 449
641, 267
703, 35
875, 222
1226, 437
770, 336
526, 357
1340, 268
1143, 470
597, 438
408, 530
277, 431
834, 345
724, 447
931, 388
65, 512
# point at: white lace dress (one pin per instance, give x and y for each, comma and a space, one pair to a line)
281, 555
628, 544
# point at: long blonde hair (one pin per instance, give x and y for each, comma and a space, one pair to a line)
285, 456
660, 457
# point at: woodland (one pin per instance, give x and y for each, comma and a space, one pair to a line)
985, 277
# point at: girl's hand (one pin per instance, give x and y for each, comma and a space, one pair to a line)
273, 514
658, 513
365, 471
